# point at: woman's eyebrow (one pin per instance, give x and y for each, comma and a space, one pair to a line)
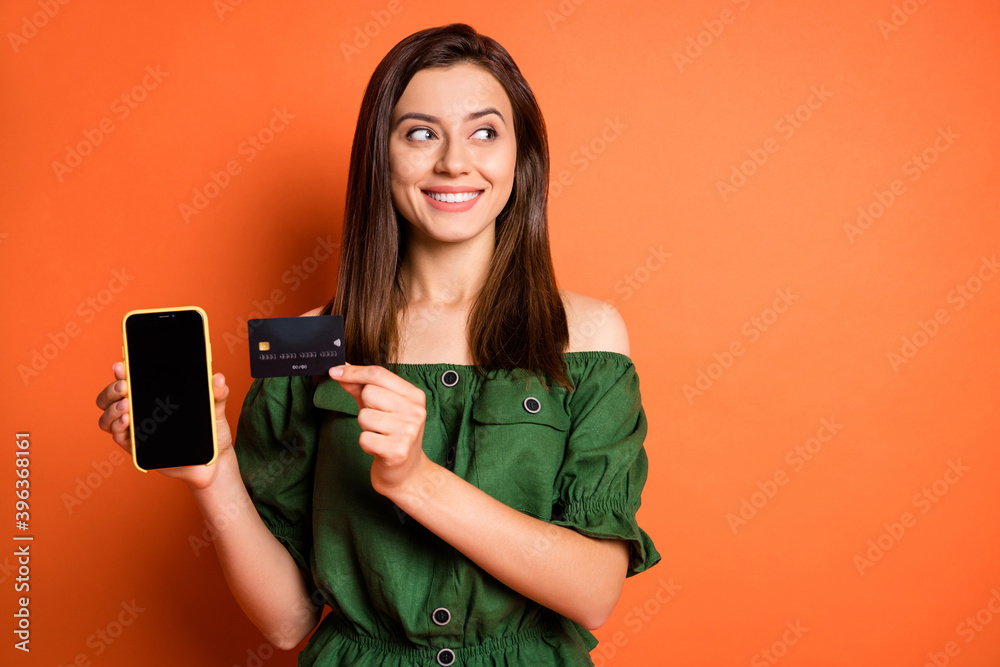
413, 115
485, 112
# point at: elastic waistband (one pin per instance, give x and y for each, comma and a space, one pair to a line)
409, 650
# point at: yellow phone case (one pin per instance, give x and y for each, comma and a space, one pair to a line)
128, 386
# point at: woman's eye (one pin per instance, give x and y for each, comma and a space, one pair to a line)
485, 133
421, 134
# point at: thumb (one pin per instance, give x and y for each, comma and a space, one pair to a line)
221, 392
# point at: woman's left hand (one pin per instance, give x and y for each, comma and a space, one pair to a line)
391, 413
579, 577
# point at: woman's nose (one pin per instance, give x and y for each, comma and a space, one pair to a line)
454, 158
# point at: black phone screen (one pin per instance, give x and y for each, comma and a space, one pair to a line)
169, 388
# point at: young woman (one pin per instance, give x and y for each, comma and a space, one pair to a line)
464, 490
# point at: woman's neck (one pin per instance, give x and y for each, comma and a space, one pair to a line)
450, 274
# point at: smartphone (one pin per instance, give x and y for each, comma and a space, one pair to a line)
168, 370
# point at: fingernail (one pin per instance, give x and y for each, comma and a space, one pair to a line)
336, 371
119, 386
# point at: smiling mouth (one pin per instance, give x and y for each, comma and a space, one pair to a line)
452, 197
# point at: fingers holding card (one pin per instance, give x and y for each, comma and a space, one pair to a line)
391, 414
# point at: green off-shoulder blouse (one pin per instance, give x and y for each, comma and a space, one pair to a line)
398, 594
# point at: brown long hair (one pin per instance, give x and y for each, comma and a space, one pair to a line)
518, 319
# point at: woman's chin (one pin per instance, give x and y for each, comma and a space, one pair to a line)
449, 234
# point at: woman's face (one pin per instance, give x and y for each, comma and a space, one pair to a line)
452, 153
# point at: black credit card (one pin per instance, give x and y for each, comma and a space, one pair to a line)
287, 346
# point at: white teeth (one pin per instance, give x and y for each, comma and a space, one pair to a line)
453, 197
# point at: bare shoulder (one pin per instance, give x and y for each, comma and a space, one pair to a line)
594, 325
311, 313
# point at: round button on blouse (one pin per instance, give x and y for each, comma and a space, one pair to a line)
446, 657
441, 616
449, 378
532, 405
449, 461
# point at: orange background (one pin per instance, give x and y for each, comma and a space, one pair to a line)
661, 131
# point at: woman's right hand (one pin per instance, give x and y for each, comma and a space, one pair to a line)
114, 420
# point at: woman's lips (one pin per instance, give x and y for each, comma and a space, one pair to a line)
454, 202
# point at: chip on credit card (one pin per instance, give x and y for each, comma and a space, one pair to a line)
287, 346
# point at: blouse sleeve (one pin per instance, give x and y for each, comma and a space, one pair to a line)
276, 450
604, 470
